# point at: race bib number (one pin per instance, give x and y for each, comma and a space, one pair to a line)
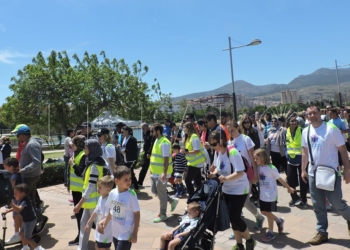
118, 211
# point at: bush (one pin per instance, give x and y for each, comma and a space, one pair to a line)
53, 174
139, 161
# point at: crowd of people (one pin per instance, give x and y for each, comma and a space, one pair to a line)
246, 156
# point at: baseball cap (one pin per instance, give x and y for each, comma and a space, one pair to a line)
17, 127
120, 125
103, 131
23, 130
85, 124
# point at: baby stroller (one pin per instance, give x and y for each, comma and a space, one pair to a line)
213, 218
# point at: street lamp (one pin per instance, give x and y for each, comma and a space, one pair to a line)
254, 42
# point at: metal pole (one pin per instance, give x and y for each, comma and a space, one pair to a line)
336, 71
233, 83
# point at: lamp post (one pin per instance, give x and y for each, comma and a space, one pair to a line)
254, 42
336, 71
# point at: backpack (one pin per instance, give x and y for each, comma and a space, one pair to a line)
6, 191
119, 157
247, 168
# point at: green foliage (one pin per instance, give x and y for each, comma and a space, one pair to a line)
52, 175
139, 160
54, 89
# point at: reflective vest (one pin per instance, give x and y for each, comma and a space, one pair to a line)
294, 145
156, 165
91, 202
194, 159
75, 182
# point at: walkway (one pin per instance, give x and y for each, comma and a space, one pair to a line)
300, 224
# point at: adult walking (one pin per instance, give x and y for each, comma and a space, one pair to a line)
325, 140
195, 156
274, 144
129, 149
5, 149
228, 164
76, 181
293, 151
94, 171
246, 128
147, 144
108, 149
161, 168
68, 153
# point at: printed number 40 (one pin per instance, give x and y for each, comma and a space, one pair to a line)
116, 209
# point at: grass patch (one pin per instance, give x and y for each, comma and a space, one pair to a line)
55, 155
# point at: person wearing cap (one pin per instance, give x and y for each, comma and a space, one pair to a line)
20, 143
118, 136
86, 130
108, 149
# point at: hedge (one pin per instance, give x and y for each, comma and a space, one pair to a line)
53, 174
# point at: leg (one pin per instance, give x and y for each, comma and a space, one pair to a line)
31, 182
193, 173
164, 239
76, 198
144, 169
303, 186
66, 167
133, 177
162, 196
84, 237
121, 244
336, 199
173, 243
292, 177
318, 201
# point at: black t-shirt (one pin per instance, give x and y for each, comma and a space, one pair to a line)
28, 213
17, 177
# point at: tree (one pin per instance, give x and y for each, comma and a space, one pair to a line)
71, 90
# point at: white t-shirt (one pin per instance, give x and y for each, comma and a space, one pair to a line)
68, 152
274, 147
243, 143
165, 148
122, 207
191, 223
108, 151
324, 142
260, 133
101, 210
268, 175
223, 164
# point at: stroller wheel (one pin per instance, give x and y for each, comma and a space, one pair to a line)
36, 238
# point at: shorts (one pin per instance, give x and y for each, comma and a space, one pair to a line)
177, 232
268, 206
103, 245
28, 228
178, 175
13, 212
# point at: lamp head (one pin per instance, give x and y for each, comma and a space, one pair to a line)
255, 42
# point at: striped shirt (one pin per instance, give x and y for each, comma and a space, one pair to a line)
180, 163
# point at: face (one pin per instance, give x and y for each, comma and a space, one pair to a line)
166, 122
118, 129
223, 120
192, 213
247, 123
125, 133
124, 182
86, 150
103, 190
153, 133
214, 144
71, 134
293, 122
144, 129
101, 138
18, 195
20, 137
257, 115
231, 129
267, 117
258, 160
211, 123
274, 122
188, 119
8, 168
186, 130
174, 128
314, 115
201, 128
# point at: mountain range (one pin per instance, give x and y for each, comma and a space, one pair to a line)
321, 81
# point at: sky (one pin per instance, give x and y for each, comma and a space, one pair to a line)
181, 41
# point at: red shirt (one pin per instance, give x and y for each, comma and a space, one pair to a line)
19, 150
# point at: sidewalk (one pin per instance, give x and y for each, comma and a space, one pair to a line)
300, 224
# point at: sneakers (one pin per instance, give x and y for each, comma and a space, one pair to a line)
174, 204
137, 191
280, 225
14, 239
318, 239
259, 224
39, 248
250, 245
176, 195
160, 218
74, 242
25, 248
293, 203
238, 247
71, 200
268, 237
302, 205
231, 237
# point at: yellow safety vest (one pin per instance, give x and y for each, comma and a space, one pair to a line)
75, 182
194, 159
91, 202
294, 145
156, 165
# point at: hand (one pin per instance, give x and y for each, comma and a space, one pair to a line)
76, 209
346, 176
71, 161
100, 227
118, 146
291, 190
163, 177
210, 176
176, 236
168, 236
86, 229
222, 178
304, 176
256, 178
133, 238
148, 156
207, 146
123, 151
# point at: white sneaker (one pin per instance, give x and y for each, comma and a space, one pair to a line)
39, 248
25, 248
14, 239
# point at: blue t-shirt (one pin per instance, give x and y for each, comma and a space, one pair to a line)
28, 213
339, 123
167, 131
17, 177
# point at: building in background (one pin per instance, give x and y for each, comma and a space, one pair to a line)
289, 96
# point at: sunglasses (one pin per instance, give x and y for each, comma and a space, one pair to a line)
274, 121
214, 144
246, 122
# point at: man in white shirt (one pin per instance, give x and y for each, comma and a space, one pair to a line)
325, 142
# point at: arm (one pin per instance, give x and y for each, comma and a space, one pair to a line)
290, 190
304, 162
92, 218
255, 166
15, 207
133, 238
345, 158
231, 177
103, 223
35, 154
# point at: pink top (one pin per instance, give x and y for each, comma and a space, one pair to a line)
203, 135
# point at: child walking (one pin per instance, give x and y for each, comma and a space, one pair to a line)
12, 165
122, 211
102, 241
26, 209
178, 234
268, 174
180, 166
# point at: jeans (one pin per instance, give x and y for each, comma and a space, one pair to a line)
144, 169
121, 244
318, 198
131, 165
193, 174
66, 169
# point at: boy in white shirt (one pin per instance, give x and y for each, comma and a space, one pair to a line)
268, 174
103, 241
122, 207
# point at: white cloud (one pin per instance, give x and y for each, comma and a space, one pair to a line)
7, 56
2, 28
